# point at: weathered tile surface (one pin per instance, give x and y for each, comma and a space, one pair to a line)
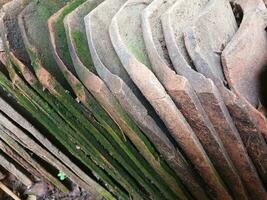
87, 128
182, 93
135, 61
159, 139
18, 55
204, 49
245, 56
106, 61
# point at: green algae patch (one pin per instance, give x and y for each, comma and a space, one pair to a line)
60, 31
82, 48
35, 17
56, 126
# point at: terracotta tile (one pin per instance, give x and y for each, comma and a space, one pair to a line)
181, 91
137, 64
204, 49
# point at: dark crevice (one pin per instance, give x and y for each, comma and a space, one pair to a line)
238, 12
263, 87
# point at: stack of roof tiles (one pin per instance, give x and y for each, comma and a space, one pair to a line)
136, 99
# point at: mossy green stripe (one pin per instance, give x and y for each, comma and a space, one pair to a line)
114, 139
57, 127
